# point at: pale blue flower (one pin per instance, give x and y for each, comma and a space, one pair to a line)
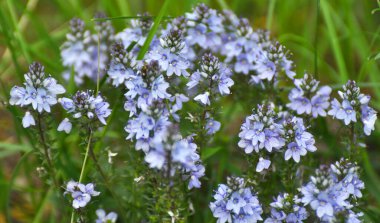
203, 98
212, 126
28, 120
263, 164
159, 87
65, 126
103, 217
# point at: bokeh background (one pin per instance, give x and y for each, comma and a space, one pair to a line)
335, 40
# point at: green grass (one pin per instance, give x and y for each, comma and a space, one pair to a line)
336, 40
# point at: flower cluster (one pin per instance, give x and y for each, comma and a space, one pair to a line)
307, 98
86, 105
353, 107
80, 194
85, 54
265, 129
333, 191
236, 203
204, 28
287, 208
122, 66
149, 104
39, 92
180, 155
171, 54
133, 37
103, 217
212, 78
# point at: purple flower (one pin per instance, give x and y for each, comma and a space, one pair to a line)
322, 205
80, 199
159, 87
369, 117
80, 193
235, 203
294, 151
212, 126
140, 127
178, 67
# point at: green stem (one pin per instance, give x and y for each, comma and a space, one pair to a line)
272, 4
106, 182
82, 170
46, 151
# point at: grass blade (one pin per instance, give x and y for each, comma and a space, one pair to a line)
337, 50
153, 31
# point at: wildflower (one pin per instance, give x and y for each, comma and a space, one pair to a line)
81, 194
86, 104
212, 126
182, 153
85, 53
65, 125
40, 91
260, 130
203, 98
122, 66
212, 78
262, 164
28, 120
103, 217
306, 98
286, 207
332, 191
354, 107
235, 203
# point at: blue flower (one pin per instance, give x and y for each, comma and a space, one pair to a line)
103, 217
65, 126
263, 164
369, 117
333, 191
306, 98
212, 126
85, 104
80, 193
80, 199
322, 205
40, 91
235, 203
156, 157
140, 127
203, 98
276, 216
354, 107
28, 120
159, 87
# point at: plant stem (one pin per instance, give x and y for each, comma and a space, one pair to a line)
46, 151
106, 182
82, 170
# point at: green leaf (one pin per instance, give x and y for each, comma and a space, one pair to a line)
336, 48
153, 31
209, 152
8, 149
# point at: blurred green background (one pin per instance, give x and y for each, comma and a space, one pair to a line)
335, 40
